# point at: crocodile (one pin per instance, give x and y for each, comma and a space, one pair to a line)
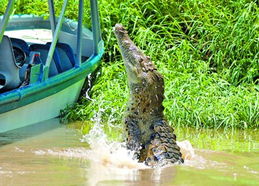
148, 132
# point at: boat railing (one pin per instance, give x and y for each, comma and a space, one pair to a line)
56, 29
54, 41
6, 18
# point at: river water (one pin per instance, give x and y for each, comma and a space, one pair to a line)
55, 154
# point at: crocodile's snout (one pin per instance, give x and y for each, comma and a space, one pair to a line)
147, 130
131, 55
119, 29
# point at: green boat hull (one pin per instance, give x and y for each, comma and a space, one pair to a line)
44, 97
43, 101
43, 109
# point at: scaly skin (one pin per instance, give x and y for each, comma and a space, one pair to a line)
147, 129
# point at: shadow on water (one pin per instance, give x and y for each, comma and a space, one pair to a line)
28, 131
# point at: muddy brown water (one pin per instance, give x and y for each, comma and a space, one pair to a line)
53, 154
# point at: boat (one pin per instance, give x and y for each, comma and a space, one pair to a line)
40, 77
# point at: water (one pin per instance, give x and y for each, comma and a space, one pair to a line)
54, 154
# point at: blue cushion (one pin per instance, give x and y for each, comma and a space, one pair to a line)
66, 56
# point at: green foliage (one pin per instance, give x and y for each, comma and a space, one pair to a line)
206, 50
222, 34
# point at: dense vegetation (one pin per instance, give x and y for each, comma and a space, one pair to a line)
207, 51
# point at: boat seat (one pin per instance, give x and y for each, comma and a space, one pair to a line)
22, 55
21, 44
9, 70
66, 56
54, 68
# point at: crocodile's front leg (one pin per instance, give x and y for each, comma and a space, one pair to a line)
133, 134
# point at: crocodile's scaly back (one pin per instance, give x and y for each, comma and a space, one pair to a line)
147, 130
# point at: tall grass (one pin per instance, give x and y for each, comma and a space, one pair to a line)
206, 50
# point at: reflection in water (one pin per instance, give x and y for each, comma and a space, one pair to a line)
54, 155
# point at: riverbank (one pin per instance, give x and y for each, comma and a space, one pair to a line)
206, 51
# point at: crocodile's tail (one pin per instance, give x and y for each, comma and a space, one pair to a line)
162, 148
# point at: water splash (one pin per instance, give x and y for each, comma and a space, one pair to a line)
114, 155
101, 150
109, 153
108, 160
89, 86
192, 159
